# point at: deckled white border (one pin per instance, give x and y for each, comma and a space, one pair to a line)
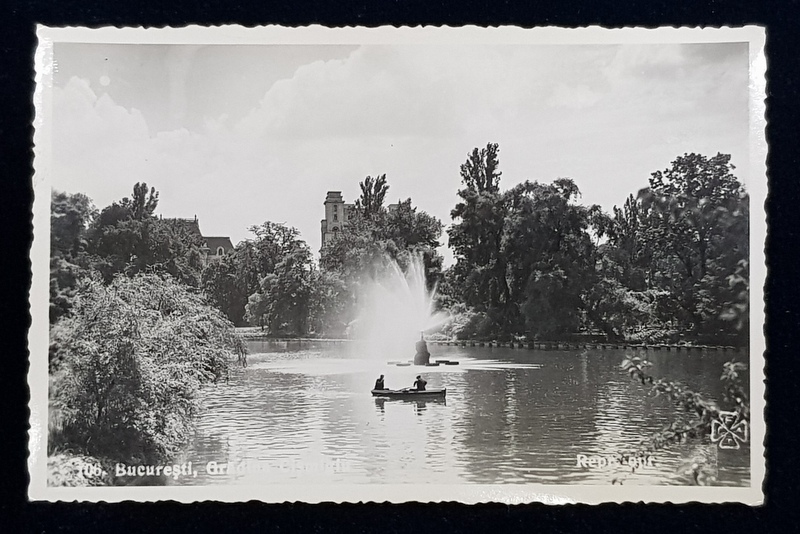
465, 493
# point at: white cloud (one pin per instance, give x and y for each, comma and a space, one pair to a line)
573, 97
599, 115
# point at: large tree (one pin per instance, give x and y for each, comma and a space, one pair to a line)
477, 232
694, 200
272, 242
127, 365
675, 256
525, 257
697, 223
550, 257
70, 217
127, 237
231, 281
283, 264
373, 194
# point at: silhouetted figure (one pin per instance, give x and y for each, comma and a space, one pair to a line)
379, 383
422, 357
420, 383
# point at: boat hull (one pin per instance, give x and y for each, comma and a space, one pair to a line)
409, 393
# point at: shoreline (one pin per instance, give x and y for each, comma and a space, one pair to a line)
530, 345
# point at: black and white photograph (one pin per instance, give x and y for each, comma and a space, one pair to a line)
396, 264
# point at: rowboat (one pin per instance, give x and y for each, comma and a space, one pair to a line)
409, 393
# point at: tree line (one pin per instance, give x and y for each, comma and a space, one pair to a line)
133, 337
670, 264
530, 261
272, 280
139, 321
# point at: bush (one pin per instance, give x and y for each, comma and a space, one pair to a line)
74, 471
127, 365
466, 323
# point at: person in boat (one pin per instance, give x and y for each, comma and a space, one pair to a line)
420, 383
379, 383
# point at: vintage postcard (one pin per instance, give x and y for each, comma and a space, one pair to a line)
398, 264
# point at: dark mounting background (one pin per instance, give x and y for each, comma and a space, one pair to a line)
17, 44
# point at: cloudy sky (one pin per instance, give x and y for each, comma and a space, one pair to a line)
240, 134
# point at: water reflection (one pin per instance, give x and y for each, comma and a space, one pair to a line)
418, 404
303, 413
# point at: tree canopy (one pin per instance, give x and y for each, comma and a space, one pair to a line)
373, 194
127, 364
532, 261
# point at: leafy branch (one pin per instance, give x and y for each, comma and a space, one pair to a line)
702, 411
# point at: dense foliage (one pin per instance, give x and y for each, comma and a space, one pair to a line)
372, 239
272, 281
127, 363
139, 320
670, 264
123, 238
131, 337
70, 216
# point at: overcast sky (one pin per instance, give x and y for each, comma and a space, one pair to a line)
238, 135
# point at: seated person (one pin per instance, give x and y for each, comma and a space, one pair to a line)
379, 383
419, 383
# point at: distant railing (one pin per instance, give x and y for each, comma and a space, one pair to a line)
545, 345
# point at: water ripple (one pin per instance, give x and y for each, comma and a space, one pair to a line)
305, 414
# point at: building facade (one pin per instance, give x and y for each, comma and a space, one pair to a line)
337, 213
214, 247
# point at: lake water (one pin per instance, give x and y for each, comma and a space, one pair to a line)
303, 413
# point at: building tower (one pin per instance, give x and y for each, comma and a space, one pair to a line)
336, 213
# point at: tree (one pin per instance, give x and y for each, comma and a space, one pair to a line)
692, 199
373, 193
257, 309
141, 206
289, 290
356, 251
697, 224
127, 237
624, 303
408, 232
273, 241
670, 262
231, 281
359, 251
283, 264
126, 367
329, 303
630, 251
479, 173
476, 234
550, 257
70, 216
524, 257
283, 302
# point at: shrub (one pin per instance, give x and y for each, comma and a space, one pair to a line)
72, 471
127, 365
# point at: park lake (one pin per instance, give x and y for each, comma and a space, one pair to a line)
302, 413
